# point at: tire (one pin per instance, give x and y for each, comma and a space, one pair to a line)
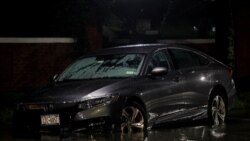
132, 118
217, 110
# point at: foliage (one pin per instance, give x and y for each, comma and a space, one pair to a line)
6, 115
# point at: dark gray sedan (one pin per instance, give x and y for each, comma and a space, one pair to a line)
132, 88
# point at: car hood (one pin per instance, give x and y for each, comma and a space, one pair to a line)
75, 91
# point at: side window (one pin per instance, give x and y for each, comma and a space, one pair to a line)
159, 59
202, 60
185, 59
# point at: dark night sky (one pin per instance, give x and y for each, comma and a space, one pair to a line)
40, 18
66, 17
30, 18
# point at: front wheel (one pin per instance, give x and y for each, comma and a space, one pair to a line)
217, 110
133, 118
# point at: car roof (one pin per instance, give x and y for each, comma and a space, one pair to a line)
139, 48
136, 48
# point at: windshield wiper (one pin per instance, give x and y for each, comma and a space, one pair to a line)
70, 80
106, 77
113, 77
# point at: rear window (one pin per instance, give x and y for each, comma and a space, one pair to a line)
186, 59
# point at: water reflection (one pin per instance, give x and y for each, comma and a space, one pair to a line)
175, 134
97, 137
238, 131
189, 134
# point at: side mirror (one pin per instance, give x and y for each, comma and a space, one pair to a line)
53, 78
159, 71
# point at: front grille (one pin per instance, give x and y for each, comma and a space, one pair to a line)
40, 107
35, 107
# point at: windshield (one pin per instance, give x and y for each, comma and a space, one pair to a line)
104, 66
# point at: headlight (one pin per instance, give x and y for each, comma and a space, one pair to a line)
97, 102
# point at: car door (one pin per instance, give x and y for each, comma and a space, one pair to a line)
162, 94
194, 67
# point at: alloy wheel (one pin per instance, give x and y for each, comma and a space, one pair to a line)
132, 119
218, 110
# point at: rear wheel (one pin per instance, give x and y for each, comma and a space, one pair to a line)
133, 118
217, 110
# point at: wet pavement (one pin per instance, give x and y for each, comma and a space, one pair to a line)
234, 130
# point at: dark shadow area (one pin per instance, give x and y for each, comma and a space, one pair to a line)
242, 85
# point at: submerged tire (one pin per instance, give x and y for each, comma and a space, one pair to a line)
133, 118
217, 110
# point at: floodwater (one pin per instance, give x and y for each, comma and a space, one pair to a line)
238, 131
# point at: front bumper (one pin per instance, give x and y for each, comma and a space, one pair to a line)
70, 117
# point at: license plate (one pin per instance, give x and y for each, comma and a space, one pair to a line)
52, 119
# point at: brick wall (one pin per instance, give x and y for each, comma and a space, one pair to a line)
29, 65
